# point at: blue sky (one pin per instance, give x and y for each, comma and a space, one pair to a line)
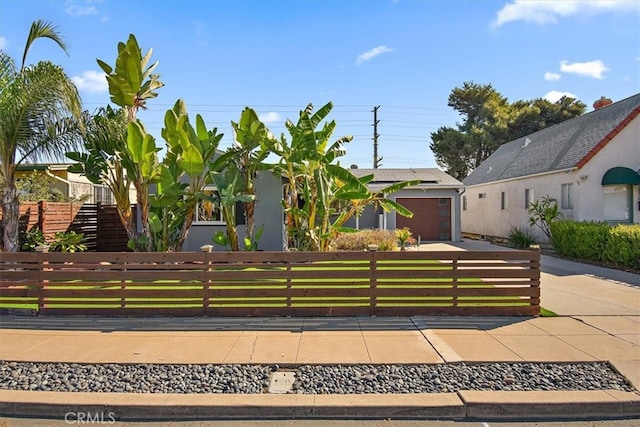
403, 55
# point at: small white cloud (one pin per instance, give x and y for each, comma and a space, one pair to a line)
552, 77
79, 8
3, 42
548, 11
370, 54
91, 81
554, 95
593, 69
270, 117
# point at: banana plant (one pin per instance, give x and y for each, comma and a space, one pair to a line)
253, 144
132, 82
192, 153
140, 159
229, 193
308, 165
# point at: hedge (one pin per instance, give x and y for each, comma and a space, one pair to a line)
598, 241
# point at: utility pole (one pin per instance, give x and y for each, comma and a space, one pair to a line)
376, 159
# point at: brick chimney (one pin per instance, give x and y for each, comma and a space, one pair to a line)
602, 102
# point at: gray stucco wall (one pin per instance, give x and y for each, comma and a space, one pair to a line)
268, 214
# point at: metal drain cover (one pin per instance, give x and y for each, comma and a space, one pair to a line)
282, 382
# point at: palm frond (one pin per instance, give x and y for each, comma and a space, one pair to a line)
42, 29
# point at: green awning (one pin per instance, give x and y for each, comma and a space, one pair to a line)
621, 175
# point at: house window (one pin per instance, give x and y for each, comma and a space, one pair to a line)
464, 203
503, 200
566, 196
208, 211
528, 198
617, 203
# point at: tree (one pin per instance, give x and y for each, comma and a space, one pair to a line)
320, 195
490, 121
119, 142
102, 163
253, 144
40, 117
184, 176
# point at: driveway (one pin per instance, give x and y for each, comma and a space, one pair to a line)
571, 288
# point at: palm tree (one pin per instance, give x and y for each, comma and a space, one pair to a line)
40, 113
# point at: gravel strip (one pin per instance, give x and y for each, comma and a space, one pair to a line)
310, 379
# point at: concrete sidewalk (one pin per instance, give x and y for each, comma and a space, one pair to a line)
419, 339
599, 321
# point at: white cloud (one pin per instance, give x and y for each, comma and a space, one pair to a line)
593, 69
3, 42
552, 77
79, 8
548, 11
91, 81
270, 117
554, 95
370, 54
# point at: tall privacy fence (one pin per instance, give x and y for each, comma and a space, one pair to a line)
98, 222
273, 283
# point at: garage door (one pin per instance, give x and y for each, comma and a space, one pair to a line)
431, 218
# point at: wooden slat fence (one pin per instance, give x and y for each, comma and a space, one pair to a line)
273, 283
99, 223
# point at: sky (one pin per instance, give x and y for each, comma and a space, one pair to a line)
405, 56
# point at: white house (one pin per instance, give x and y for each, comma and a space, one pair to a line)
589, 164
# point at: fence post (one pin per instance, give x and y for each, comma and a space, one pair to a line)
98, 222
289, 274
41, 280
535, 280
206, 254
455, 281
373, 280
42, 224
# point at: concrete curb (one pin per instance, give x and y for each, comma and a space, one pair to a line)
464, 404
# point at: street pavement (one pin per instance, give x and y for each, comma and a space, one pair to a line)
598, 320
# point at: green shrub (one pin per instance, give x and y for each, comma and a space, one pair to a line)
360, 240
583, 240
623, 246
30, 240
598, 241
68, 242
520, 238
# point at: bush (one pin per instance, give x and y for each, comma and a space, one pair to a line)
30, 240
404, 236
360, 240
68, 242
583, 240
520, 238
598, 241
623, 246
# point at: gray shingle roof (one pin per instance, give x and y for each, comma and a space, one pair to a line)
558, 147
429, 177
